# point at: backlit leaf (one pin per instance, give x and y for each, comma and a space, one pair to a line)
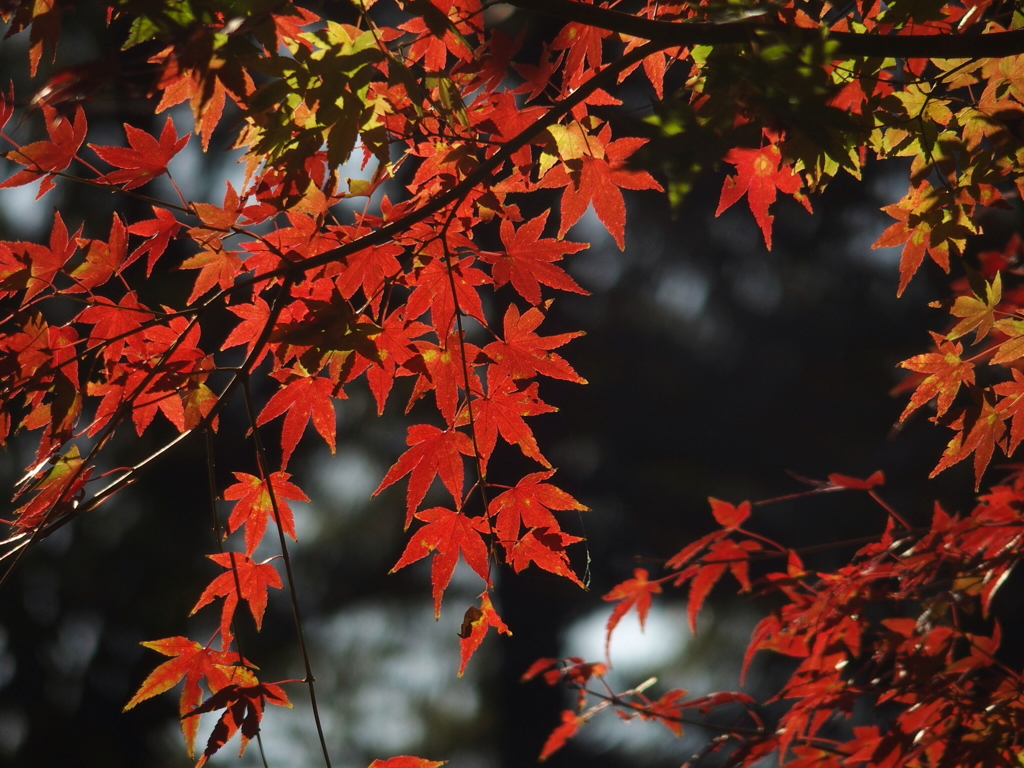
432, 453
632, 593
254, 505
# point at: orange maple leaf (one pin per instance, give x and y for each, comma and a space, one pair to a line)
924, 226
599, 182
1012, 404
980, 430
945, 373
976, 313
192, 662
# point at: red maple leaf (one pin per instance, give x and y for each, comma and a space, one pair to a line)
759, 175
501, 412
668, 709
571, 723
583, 42
218, 267
254, 320
114, 323
158, 233
546, 548
506, 119
103, 259
288, 27
442, 371
527, 261
447, 534
395, 346
855, 483
254, 506
597, 178
722, 556
31, 267
243, 709
45, 157
432, 290
147, 158
406, 761
217, 220
529, 504
151, 399
522, 354
174, 346
728, 516
194, 663
433, 453
537, 79
475, 625
55, 492
246, 576
367, 269
302, 398
148, 394
1012, 404
547, 666
305, 238
435, 39
635, 592
205, 91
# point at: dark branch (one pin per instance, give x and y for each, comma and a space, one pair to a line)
480, 175
946, 46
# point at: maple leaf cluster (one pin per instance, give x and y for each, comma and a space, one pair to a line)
319, 304
945, 378
443, 276
907, 623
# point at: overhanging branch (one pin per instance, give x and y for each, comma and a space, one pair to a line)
945, 46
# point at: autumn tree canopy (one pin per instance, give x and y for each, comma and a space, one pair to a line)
324, 297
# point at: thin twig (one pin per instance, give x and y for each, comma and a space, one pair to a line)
477, 458
264, 468
211, 476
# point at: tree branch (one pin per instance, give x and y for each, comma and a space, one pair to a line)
946, 46
479, 175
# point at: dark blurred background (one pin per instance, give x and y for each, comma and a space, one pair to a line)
714, 366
